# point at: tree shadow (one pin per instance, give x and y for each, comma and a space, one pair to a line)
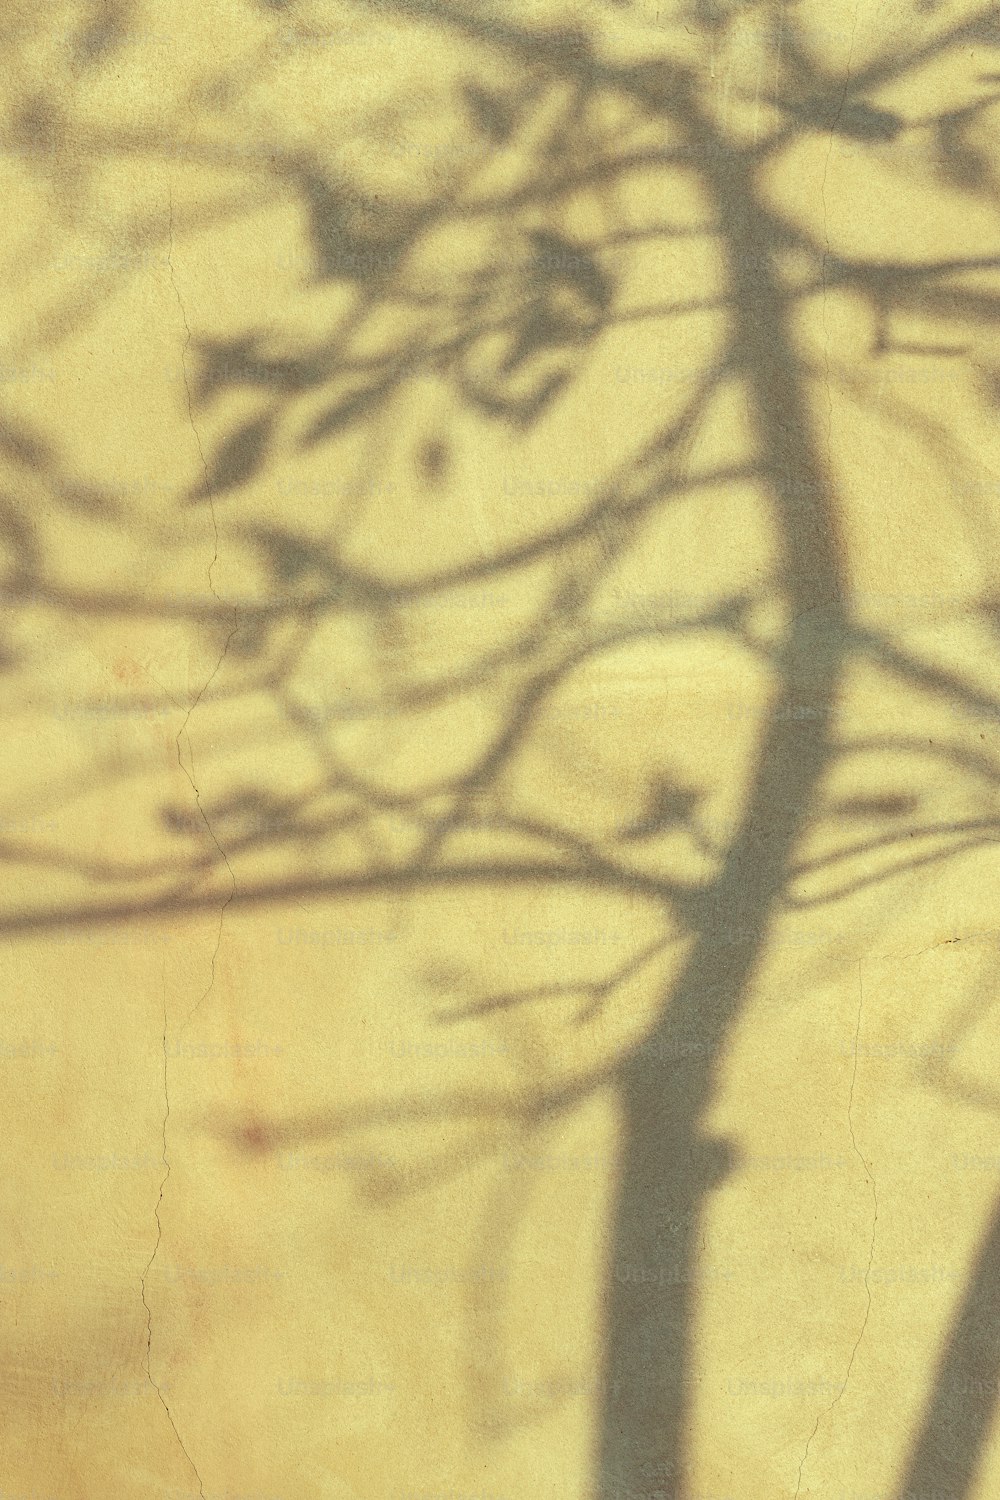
489, 282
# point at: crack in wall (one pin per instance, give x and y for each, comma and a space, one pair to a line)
966, 937
184, 732
871, 1249
190, 774
149, 1264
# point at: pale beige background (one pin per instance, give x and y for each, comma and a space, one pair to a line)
273, 1224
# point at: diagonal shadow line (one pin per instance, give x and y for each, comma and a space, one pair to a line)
939, 681
959, 1415
191, 902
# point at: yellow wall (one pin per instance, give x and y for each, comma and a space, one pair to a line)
498, 531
